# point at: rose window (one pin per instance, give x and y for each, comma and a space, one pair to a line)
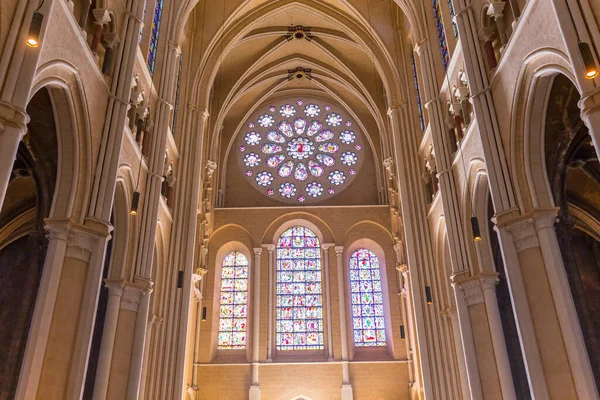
300, 151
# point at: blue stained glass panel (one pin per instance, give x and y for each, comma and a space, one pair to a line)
437, 14
368, 321
299, 291
154, 35
454, 27
176, 106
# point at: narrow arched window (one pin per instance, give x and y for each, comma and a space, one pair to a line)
299, 291
439, 25
416, 81
154, 35
368, 319
176, 106
233, 310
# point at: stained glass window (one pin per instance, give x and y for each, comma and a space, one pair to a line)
437, 14
176, 106
300, 150
233, 307
419, 103
368, 321
154, 35
299, 291
143, 19
454, 27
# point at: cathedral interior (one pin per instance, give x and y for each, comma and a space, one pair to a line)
299, 199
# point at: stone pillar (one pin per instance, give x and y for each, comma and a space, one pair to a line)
271, 300
10, 137
486, 34
140, 294
496, 11
326, 269
101, 18
110, 41
488, 284
462, 368
255, 387
347, 392
553, 382
115, 291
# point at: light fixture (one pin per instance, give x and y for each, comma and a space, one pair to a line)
475, 228
179, 279
428, 295
402, 333
33, 36
591, 70
135, 202
203, 314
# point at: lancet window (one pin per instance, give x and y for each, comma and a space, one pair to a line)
233, 307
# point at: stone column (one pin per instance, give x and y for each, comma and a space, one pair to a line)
115, 291
486, 34
110, 41
255, 387
590, 114
496, 11
271, 300
326, 247
488, 284
140, 294
101, 18
10, 136
462, 368
347, 392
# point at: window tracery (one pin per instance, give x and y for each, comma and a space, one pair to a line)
154, 35
233, 305
299, 304
300, 151
439, 25
368, 321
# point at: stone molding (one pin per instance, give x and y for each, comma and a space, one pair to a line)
270, 247
472, 291
57, 230
80, 244
115, 288
524, 234
339, 250
258, 251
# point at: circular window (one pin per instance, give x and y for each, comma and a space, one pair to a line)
300, 151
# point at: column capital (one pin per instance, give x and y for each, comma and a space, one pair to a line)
80, 243
524, 234
115, 287
339, 250
472, 291
258, 251
496, 9
101, 16
270, 247
490, 280
402, 268
132, 295
327, 246
57, 229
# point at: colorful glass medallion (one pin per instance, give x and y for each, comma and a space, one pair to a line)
287, 189
270, 148
323, 136
286, 128
287, 110
300, 125
327, 108
274, 136
337, 177
326, 159
264, 178
299, 102
286, 169
314, 189
272, 108
250, 125
330, 147
331, 191
248, 173
347, 137
301, 199
242, 149
300, 148
312, 110
333, 119
352, 172
252, 138
315, 169
233, 305
348, 124
301, 173
314, 127
358, 147
252, 160
367, 299
299, 302
349, 158
270, 192
274, 161
266, 120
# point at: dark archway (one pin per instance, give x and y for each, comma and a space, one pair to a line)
574, 176
23, 243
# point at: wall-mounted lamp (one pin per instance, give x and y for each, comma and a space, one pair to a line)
402, 333
179, 279
591, 70
135, 202
428, 295
475, 228
33, 36
203, 314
